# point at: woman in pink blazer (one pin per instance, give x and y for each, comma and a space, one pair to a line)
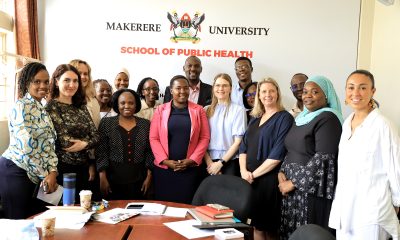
179, 137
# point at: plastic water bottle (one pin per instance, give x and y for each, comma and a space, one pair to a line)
69, 182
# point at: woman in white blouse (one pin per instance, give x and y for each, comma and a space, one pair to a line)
227, 125
368, 189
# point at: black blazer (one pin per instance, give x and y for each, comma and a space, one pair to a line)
204, 94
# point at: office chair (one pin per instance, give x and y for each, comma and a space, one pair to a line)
227, 190
311, 232
230, 191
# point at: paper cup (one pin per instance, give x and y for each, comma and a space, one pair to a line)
86, 199
48, 225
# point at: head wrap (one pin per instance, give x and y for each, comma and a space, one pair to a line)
333, 103
123, 70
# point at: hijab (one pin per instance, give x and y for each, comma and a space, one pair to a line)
333, 103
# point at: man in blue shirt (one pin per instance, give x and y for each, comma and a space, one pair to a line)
243, 69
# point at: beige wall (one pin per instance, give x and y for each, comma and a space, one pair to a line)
4, 136
379, 52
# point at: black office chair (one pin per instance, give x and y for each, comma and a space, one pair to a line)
311, 232
227, 190
230, 191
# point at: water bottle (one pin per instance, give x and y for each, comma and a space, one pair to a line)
69, 182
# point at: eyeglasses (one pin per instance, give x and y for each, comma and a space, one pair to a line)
155, 89
250, 94
242, 67
297, 87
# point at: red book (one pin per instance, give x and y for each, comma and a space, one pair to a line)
215, 213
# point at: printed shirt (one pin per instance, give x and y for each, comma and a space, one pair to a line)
32, 139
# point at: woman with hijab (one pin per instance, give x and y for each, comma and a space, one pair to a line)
122, 79
261, 154
307, 178
179, 137
368, 190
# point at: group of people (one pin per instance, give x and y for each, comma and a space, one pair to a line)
306, 165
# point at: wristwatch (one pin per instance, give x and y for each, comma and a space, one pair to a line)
222, 161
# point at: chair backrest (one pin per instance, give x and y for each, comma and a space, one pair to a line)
311, 232
230, 191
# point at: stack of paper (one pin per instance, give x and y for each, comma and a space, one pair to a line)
115, 215
70, 219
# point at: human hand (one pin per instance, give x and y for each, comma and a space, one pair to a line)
214, 168
92, 172
169, 163
281, 177
51, 182
146, 184
105, 188
77, 145
286, 187
184, 164
248, 176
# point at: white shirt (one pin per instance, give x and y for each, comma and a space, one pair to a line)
225, 127
368, 176
147, 112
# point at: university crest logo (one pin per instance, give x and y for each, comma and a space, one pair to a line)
185, 28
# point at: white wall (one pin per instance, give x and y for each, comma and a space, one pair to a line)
385, 58
305, 36
380, 53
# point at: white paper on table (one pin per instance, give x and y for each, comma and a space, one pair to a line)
18, 229
186, 229
115, 215
147, 208
175, 212
52, 198
66, 220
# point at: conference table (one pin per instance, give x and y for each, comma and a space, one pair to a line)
146, 227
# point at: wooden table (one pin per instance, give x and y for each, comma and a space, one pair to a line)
144, 227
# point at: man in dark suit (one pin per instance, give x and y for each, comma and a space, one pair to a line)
200, 92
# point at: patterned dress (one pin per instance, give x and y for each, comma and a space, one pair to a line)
72, 122
311, 164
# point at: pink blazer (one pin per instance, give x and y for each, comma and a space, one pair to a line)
199, 133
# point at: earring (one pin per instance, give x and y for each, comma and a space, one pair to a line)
371, 103
345, 102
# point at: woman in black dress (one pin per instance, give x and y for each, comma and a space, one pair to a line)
179, 137
124, 157
261, 153
308, 175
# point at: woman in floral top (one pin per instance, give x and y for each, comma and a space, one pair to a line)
76, 132
31, 154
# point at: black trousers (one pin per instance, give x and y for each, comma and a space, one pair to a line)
16, 192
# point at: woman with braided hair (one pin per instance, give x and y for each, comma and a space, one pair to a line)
31, 153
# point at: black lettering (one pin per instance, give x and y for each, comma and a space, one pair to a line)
211, 30
110, 26
118, 27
